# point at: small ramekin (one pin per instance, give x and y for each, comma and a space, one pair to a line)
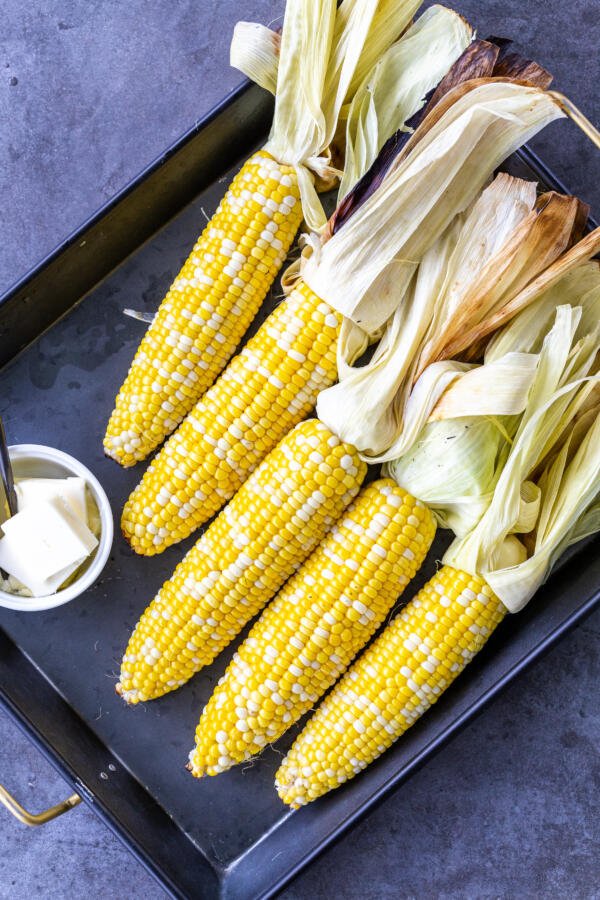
37, 461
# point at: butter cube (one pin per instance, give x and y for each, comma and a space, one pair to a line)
71, 490
43, 544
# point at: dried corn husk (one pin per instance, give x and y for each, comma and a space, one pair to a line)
534, 245
364, 270
559, 394
255, 52
526, 331
391, 95
370, 405
499, 245
397, 86
583, 250
569, 509
321, 51
454, 463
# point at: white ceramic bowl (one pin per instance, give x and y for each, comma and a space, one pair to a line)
36, 461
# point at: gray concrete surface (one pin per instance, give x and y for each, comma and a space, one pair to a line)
89, 94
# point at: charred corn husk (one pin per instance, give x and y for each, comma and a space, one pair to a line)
320, 620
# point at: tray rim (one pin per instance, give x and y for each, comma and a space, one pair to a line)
60, 760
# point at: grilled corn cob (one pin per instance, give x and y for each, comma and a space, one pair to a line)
392, 684
546, 498
265, 533
308, 636
269, 387
199, 469
323, 55
208, 307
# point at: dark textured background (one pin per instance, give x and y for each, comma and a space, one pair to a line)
89, 94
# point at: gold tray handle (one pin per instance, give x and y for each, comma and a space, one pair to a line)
33, 819
569, 108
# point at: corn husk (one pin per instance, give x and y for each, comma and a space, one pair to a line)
569, 509
481, 60
526, 331
371, 406
398, 85
364, 270
322, 49
500, 244
454, 463
392, 94
532, 247
558, 394
583, 250
254, 51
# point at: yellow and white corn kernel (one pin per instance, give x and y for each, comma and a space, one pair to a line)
208, 307
314, 628
265, 390
272, 524
392, 684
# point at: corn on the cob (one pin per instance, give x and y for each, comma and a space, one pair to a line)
266, 390
321, 619
322, 56
174, 499
275, 521
392, 684
208, 308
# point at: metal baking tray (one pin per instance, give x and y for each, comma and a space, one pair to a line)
65, 346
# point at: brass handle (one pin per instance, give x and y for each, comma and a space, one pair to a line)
32, 819
577, 116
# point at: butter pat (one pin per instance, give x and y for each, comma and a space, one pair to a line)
43, 544
71, 490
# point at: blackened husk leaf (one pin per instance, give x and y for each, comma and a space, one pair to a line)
510, 64
477, 61
368, 184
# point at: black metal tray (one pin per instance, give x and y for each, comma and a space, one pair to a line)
230, 836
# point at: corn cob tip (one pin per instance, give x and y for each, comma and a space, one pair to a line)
142, 549
291, 788
112, 455
131, 697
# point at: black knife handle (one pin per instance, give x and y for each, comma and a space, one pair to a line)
6, 473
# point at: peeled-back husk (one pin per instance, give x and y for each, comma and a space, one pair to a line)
569, 511
364, 270
323, 49
454, 463
580, 253
398, 85
371, 406
254, 51
481, 59
499, 245
558, 394
539, 240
